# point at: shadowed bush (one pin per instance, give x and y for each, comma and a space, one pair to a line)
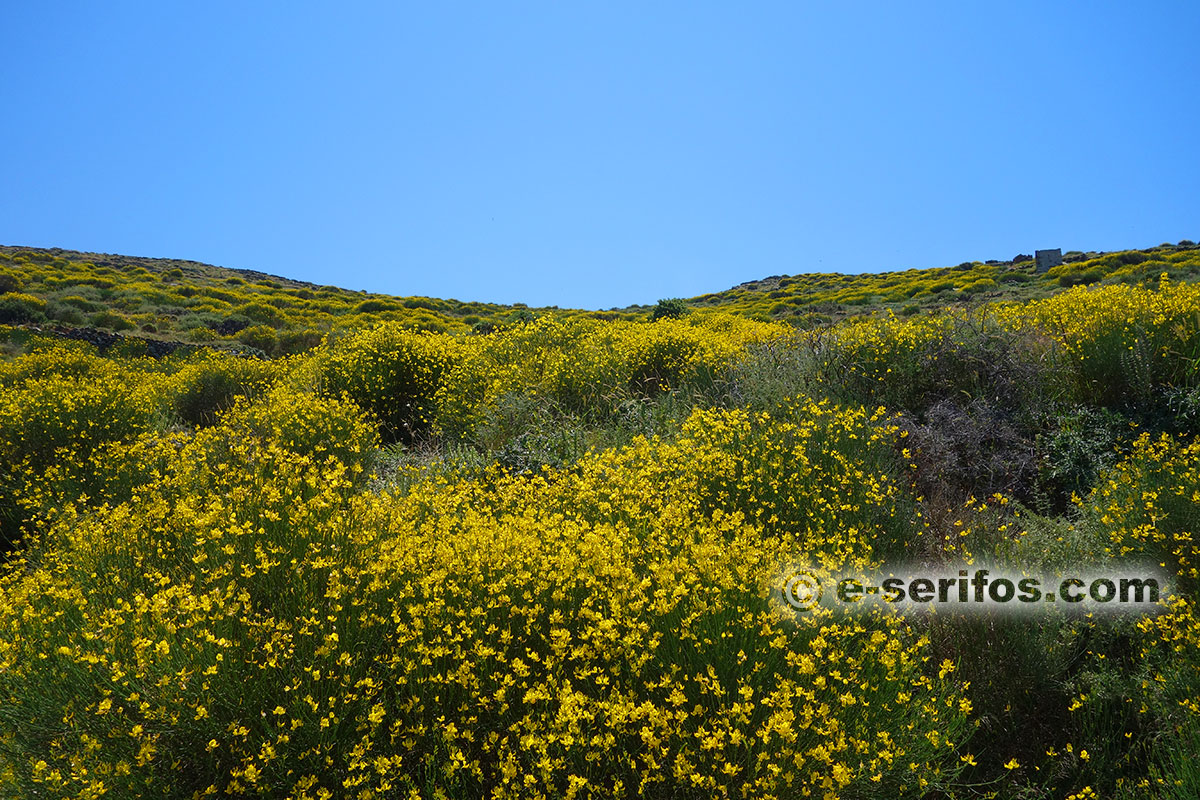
214, 382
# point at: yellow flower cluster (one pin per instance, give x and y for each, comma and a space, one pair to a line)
1119, 340
414, 382
584, 366
391, 371
1150, 508
877, 349
250, 621
50, 417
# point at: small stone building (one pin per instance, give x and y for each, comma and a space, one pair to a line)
1045, 259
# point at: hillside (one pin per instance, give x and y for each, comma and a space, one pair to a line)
816, 298
450, 550
186, 301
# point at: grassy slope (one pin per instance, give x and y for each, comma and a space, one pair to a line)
193, 302
815, 298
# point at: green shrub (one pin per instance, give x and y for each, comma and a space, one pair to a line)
112, 320
18, 309
422, 302
261, 312
1129, 258
210, 386
260, 337
374, 306
1080, 444
671, 308
64, 313
10, 283
290, 342
202, 319
81, 303
1080, 278
981, 285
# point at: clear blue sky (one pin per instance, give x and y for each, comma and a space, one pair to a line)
591, 154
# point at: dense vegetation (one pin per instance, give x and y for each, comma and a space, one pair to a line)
815, 299
533, 555
244, 310
198, 303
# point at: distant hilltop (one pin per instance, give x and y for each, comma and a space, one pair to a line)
816, 298
190, 303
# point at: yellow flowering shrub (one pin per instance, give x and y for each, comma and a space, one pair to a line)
255, 624
510, 361
883, 354
306, 425
642, 359
63, 419
46, 357
1150, 507
1141, 675
588, 368
1120, 342
391, 371
913, 363
18, 307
